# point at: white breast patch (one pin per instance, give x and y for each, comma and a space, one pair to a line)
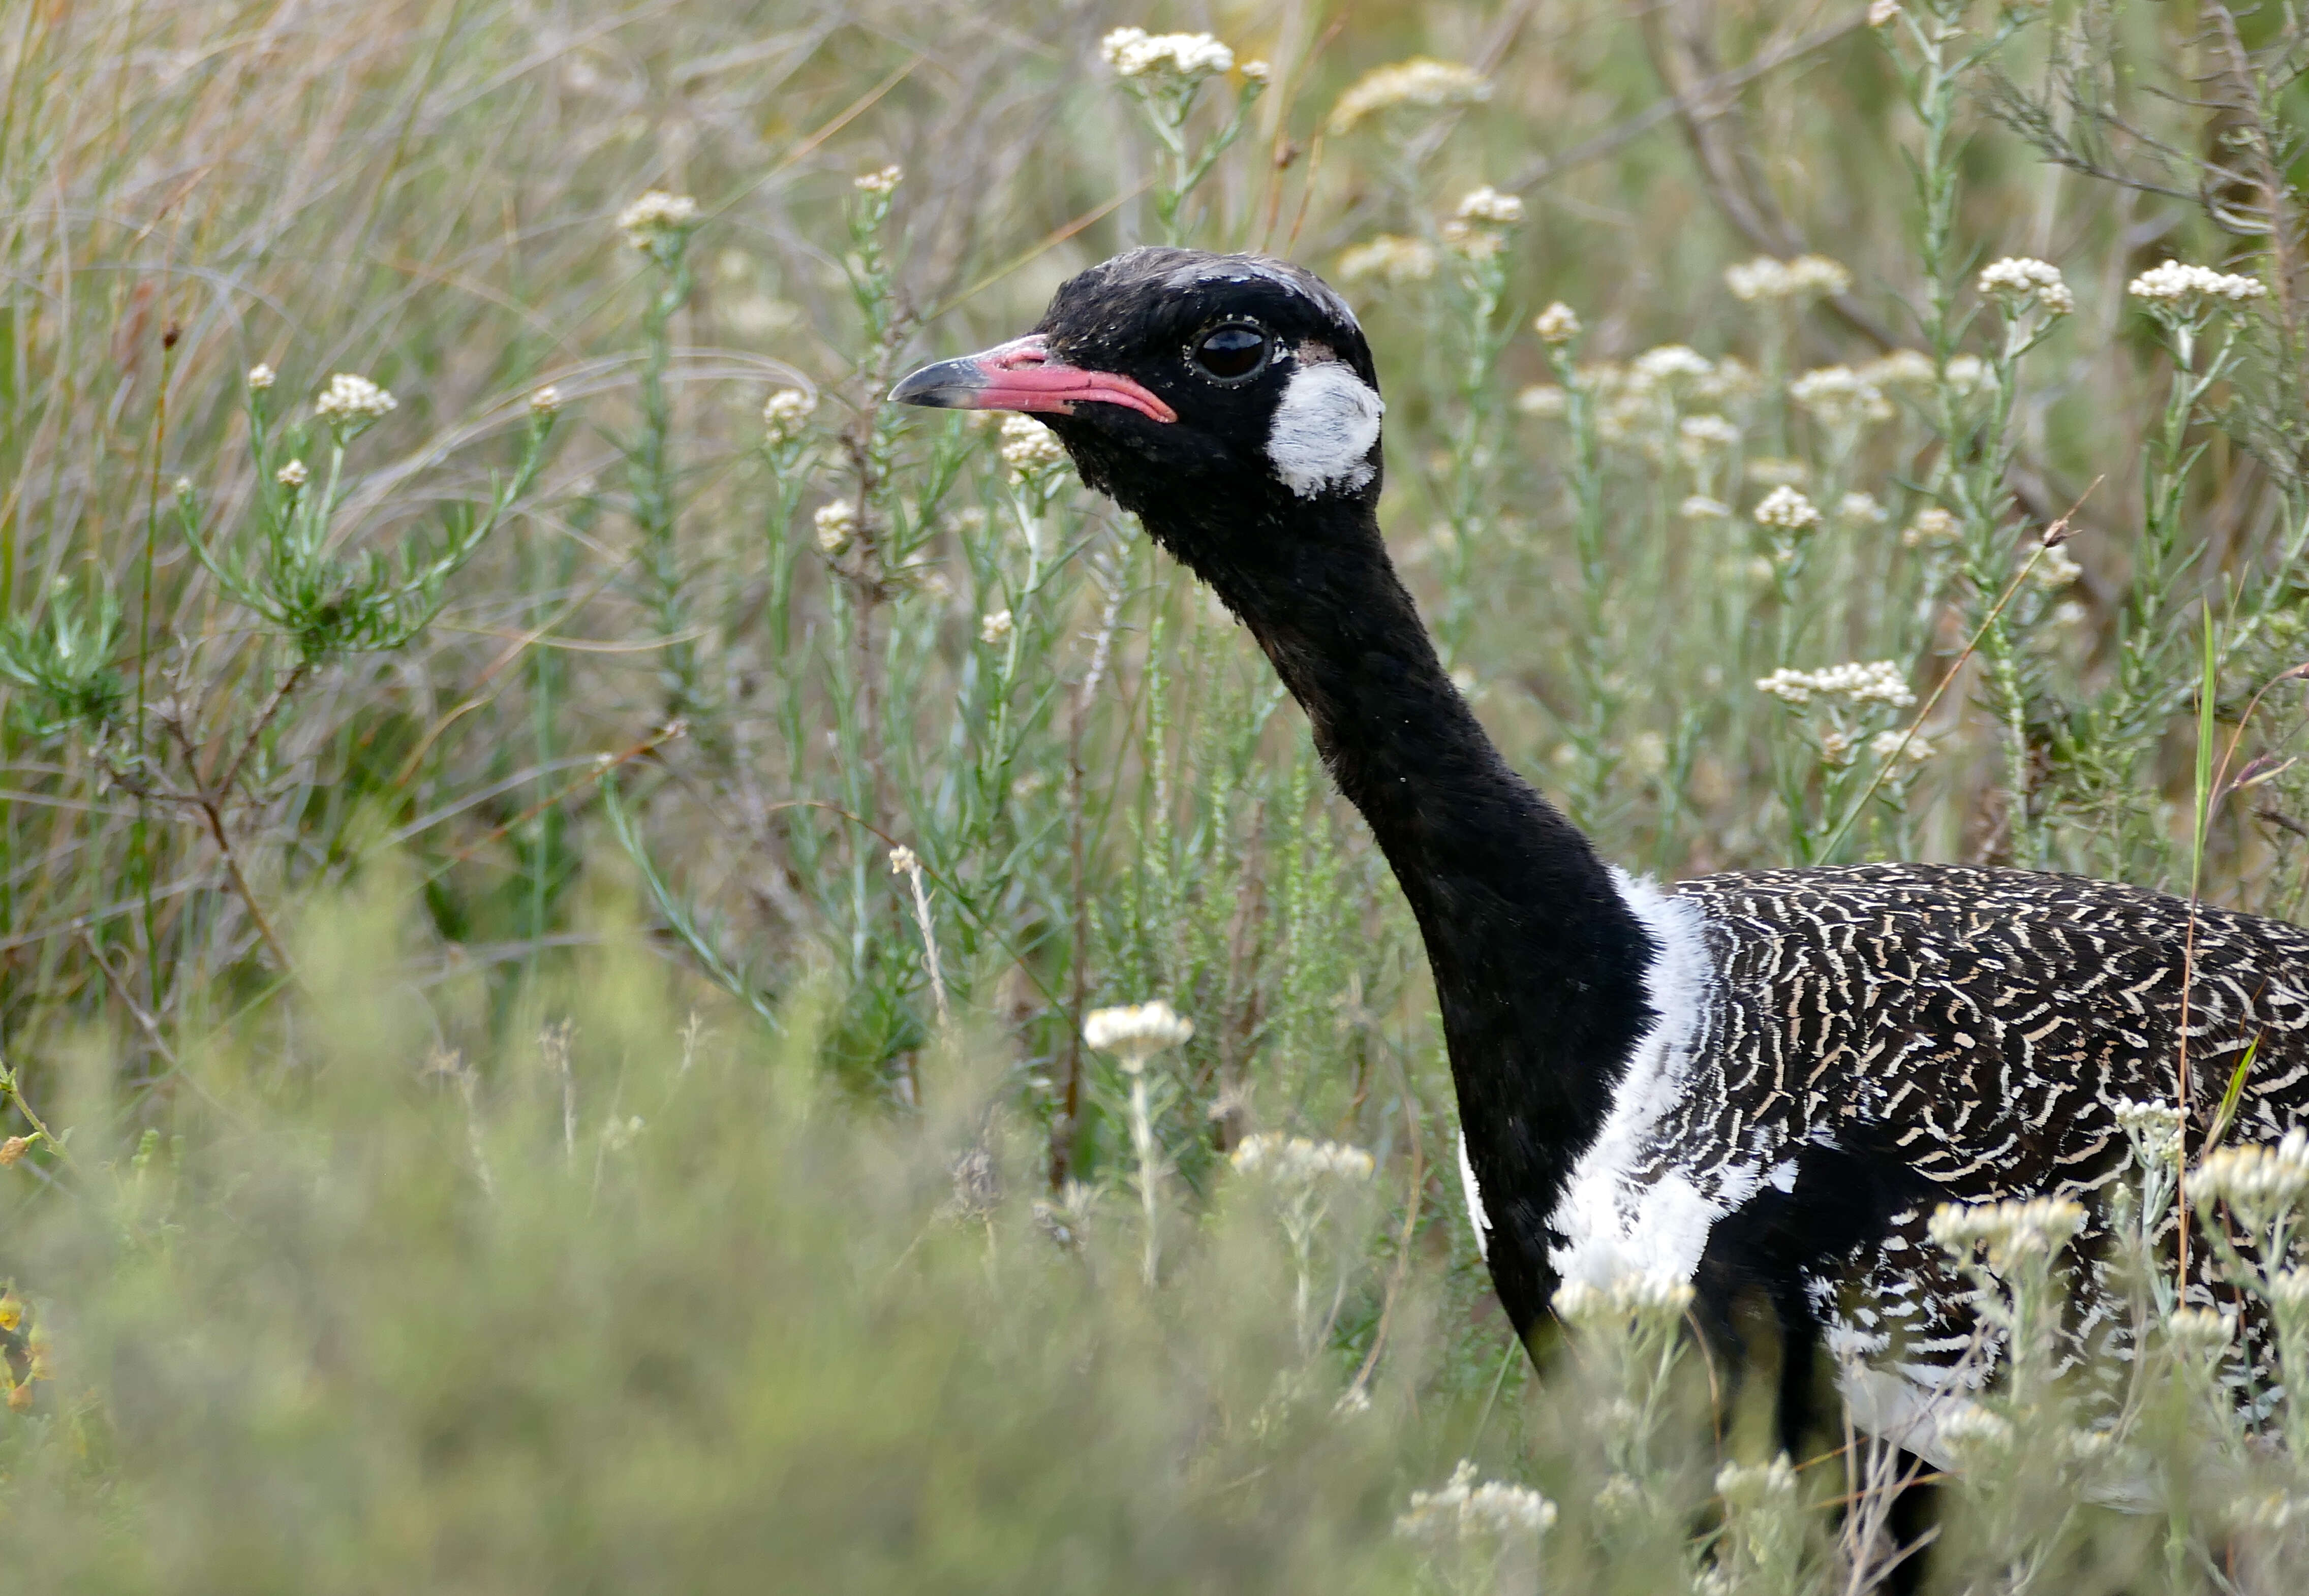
1323, 429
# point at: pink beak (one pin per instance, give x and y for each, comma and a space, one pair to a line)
1023, 376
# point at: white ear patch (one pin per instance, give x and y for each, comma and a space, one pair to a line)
1323, 429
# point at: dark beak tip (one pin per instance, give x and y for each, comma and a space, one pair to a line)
946, 385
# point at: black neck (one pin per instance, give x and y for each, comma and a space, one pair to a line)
1538, 962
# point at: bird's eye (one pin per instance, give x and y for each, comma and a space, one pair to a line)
1231, 353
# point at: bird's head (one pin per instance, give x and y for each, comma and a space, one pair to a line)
1219, 397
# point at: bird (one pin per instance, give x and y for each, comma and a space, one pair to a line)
1759, 1084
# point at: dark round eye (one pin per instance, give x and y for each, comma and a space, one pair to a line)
1231, 353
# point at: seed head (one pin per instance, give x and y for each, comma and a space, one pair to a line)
12, 1150
1558, 323
1419, 82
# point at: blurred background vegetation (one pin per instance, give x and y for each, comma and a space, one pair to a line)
506, 1135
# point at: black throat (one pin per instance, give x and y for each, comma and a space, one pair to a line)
1538, 960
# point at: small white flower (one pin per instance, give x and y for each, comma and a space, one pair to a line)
2054, 569
1838, 396
905, 860
1888, 745
785, 413
1807, 277
1771, 471
1257, 72
293, 475
1135, 53
995, 627
1545, 400
656, 216
1419, 81
1488, 206
2201, 1331
260, 378
1466, 1510
2033, 1227
1704, 436
1859, 509
1757, 1486
183, 487
1881, 13
1135, 1032
2258, 1182
2185, 289
1934, 528
1558, 323
884, 180
1029, 448
1388, 258
1878, 681
1668, 366
1975, 1435
1700, 507
2020, 281
1967, 373
2153, 1128
836, 521
1645, 1297
545, 400
1298, 1161
1788, 510
350, 403
1908, 371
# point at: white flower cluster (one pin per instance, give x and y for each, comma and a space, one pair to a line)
293, 476
1859, 509
1757, 1486
2186, 289
1558, 323
881, 181
2153, 1128
1974, 1435
905, 860
2054, 569
1389, 258
1135, 53
2259, 1182
260, 378
351, 400
1888, 745
785, 412
1703, 436
1029, 448
1490, 207
1467, 1510
2204, 1331
654, 216
836, 521
994, 628
1667, 364
1807, 277
1137, 1030
1418, 82
2017, 1228
1934, 528
1788, 510
545, 400
1545, 400
1837, 396
1908, 371
1772, 471
2018, 280
1878, 681
1700, 506
1645, 1297
1295, 1161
